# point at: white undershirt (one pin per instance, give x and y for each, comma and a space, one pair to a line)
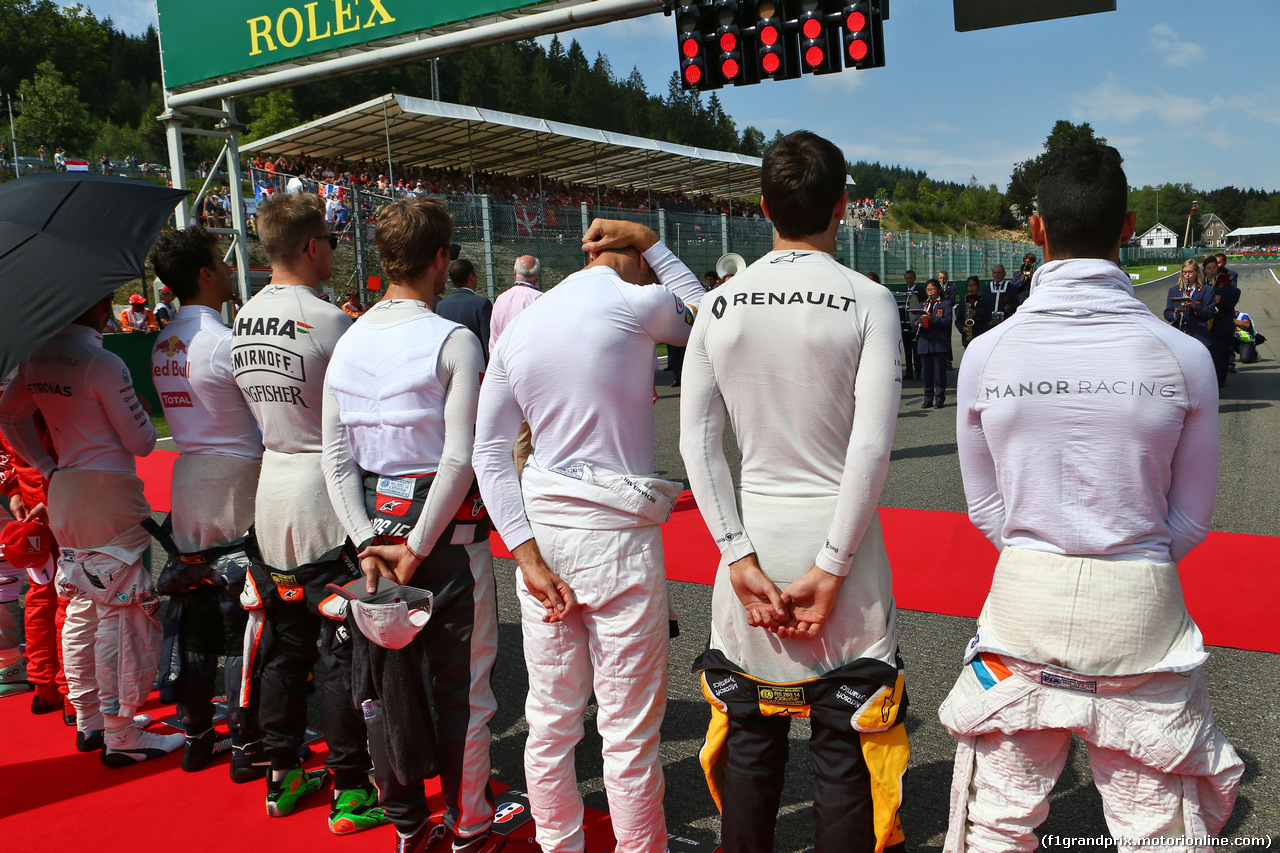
458, 370
598, 408
191, 368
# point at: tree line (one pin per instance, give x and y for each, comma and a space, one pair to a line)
85, 85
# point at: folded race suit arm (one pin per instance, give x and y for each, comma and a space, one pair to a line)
1193, 483
342, 476
702, 420
877, 390
498, 421
460, 364
977, 466
110, 382
17, 420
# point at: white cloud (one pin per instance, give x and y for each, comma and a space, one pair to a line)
1176, 52
129, 16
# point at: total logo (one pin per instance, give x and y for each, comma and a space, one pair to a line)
506, 812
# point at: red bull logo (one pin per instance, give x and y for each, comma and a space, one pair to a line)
171, 346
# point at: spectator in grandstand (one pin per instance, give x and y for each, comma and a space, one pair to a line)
138, 317
465, 306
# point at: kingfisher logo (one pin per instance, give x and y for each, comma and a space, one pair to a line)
171, 346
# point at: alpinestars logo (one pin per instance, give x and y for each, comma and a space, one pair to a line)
390, 506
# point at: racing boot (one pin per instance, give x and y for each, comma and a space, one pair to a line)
354, 809
132, 745
296, 783
249, 761
200, 749
421, 839
13, 678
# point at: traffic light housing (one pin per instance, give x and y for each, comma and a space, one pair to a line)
691, 28
739, 42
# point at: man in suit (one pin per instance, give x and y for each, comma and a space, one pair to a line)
465, 306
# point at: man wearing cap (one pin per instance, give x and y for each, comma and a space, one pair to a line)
283, 339
215, 481
165, 312
399, 419
583, 524
137, 317
111, 640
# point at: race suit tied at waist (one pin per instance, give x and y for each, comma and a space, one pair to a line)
395, 504
574, 495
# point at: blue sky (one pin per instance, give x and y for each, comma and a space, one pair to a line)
1186, 96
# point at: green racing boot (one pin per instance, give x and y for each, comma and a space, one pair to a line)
355, 809
284, 795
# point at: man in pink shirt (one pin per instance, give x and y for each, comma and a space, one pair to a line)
516, 298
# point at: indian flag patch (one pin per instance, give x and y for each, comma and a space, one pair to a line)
989, 669
304, 328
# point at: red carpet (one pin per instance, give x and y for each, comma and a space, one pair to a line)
1231, 582
54, 799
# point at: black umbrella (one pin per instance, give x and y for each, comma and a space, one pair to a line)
66, 241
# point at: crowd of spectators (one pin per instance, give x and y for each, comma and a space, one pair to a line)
375, 176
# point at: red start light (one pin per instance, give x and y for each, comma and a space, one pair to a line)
857, 50
768, 36
728, 42
856, 22
813, 56
690, 48
812, 28
692, 74
729, 68
771, 62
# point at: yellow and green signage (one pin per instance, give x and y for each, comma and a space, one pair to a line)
205, 41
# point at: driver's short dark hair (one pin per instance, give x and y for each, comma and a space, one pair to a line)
801, 180
461, 270
1083, 199
178, 257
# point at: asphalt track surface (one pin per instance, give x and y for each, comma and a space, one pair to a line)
925, 474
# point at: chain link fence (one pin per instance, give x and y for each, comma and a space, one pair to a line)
494, 233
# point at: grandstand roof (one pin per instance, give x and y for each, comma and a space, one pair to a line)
1256, 231
434, 134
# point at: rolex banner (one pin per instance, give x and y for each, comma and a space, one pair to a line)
204, 41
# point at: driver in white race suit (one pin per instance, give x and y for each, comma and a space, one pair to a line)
111, 639
800, 354
582, 521
1088, 441
399, 424
215, 483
